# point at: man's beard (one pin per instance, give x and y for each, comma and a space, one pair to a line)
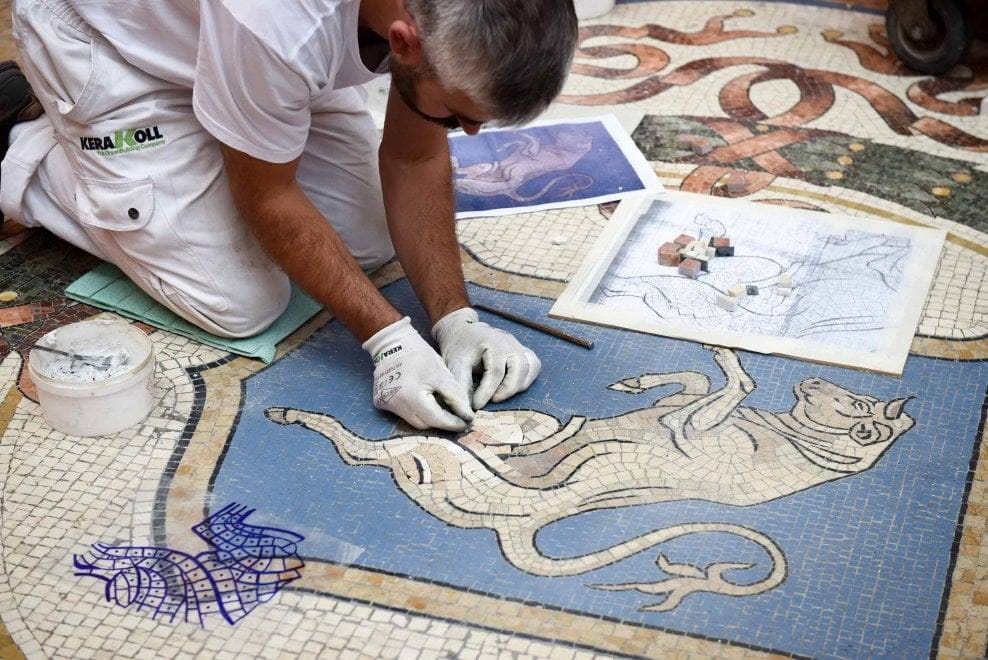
405, 79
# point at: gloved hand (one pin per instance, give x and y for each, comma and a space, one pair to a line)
467, 345
411, 381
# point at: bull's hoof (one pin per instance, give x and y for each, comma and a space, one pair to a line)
283, 416
628, 386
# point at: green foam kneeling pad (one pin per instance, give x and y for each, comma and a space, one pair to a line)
108, 288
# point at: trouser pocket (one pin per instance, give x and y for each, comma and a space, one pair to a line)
120, 206
141, 224
63, 53
100, 105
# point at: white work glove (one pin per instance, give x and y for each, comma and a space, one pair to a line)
411, 381
468, 345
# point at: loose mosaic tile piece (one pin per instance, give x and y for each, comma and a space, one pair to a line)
739, 291
691, 267
669, 254
736, 183
728, 303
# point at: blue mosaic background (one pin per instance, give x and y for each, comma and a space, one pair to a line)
867, 554
605, 164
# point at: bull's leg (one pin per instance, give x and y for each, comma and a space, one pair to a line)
474, 171
533, 147
690, 382
728, 361
691, 386
688, 423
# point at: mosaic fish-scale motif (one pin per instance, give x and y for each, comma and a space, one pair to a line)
246, 567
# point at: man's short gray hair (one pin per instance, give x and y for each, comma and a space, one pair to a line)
509, 56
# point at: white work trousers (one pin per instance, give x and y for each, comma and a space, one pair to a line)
120, 167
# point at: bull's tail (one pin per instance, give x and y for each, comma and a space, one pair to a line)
577, 182
519, 548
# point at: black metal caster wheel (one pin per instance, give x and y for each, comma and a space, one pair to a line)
929, 40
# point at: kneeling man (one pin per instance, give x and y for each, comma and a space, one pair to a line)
215, 149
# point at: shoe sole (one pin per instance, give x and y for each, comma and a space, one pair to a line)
6, 67
18, 116
26, 112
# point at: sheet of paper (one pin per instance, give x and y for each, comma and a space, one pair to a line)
856, 293
547, 165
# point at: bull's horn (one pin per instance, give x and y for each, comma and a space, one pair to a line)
895, 407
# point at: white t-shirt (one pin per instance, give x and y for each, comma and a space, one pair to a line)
257, 68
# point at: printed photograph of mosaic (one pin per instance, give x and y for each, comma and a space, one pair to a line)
303, 287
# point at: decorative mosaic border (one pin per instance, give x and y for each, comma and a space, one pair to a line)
8, 649
962, 629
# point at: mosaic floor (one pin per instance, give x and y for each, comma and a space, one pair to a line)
270, 511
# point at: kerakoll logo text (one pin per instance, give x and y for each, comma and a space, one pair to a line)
125, 141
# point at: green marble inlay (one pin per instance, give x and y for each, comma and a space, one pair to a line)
932, 185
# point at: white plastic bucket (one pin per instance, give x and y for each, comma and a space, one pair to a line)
100, 407
593, 8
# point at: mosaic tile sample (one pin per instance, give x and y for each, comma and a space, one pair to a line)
246, 567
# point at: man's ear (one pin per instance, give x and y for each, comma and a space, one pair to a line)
403, 37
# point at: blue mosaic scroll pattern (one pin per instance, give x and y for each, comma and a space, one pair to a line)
248, 566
